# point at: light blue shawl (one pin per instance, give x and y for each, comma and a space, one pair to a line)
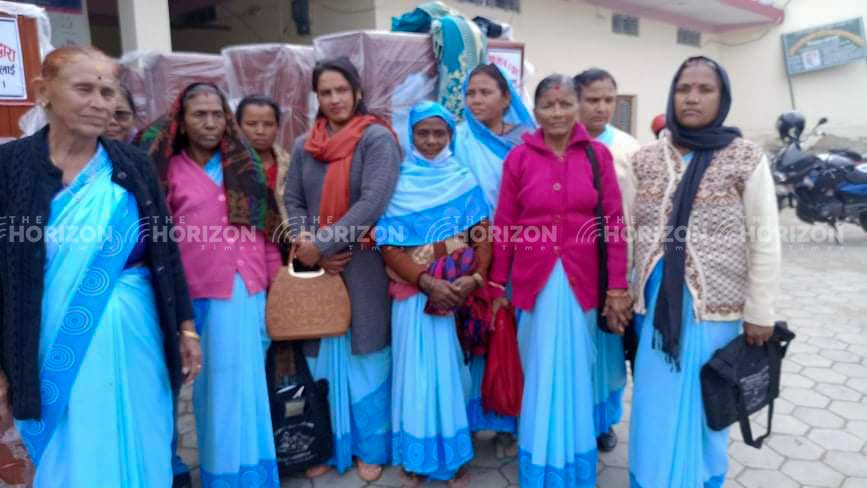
434, 198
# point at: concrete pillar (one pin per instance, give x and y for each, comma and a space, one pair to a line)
144, 25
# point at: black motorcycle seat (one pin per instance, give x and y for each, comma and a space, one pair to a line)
847, 153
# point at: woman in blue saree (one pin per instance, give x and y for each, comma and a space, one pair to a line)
433, 241
696, 290
496, 118
112, 308
597, 97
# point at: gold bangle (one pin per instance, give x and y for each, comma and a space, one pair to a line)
191, 334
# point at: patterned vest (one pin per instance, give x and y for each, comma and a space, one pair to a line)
716, 263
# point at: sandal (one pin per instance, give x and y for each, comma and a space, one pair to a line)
461, 479
316, 471
369, 472
410, 480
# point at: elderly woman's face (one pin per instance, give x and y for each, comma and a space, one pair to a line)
431, 136
81, 98
121, 121
557, 110
697, 96
204, 121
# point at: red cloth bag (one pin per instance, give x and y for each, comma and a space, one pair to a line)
503, 383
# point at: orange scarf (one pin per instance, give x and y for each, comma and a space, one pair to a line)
336, 150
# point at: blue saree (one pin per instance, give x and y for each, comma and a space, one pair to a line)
483, 152
106, 397
609, 370
435, 199
230, 395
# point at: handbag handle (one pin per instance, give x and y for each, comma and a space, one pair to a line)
776, 352
304, 275
601, 239
746, 428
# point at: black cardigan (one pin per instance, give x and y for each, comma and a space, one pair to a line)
28, 183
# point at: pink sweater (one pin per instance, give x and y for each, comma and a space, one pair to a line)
545, 212
213, 251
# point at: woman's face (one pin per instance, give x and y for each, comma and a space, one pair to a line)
337, 99
259, 124
431, 136
121, 121
204, 121
697, 96
81, 99
485, 99
557, 110
596, 105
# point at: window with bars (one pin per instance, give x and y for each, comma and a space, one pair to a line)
503, 4
624, 113
688, 37
624, 24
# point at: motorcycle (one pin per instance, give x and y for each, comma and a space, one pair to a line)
829, 187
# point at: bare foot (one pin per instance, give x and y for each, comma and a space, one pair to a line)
461, 479
369, 472
507, 445
317, 471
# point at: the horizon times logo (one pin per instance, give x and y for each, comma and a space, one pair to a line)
178, 230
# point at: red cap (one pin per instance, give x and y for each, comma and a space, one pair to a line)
658, 124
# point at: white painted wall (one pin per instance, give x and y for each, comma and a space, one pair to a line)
568, 36
759, 76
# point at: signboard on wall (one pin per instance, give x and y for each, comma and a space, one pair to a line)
69, 22
510, 57
824, 46
69, 28
68, 5
13, 85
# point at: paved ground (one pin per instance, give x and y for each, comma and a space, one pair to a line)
820, 429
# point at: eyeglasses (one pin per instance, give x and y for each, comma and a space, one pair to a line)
122, 115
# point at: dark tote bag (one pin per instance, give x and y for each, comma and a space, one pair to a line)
739, 380
299, 411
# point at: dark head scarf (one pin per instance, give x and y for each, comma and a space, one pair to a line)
703, 142
250, 202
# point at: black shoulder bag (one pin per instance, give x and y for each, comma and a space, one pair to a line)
299, 412
739, 380
601, 241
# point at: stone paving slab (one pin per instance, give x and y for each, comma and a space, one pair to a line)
820, 426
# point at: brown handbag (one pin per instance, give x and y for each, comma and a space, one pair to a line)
307, 304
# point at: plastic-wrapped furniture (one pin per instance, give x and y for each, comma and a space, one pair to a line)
155, 79
281, 71
397, 70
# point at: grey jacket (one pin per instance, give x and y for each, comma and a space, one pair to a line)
374, 173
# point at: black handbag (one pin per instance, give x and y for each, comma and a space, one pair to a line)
601, 240
739, 380
300, 414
